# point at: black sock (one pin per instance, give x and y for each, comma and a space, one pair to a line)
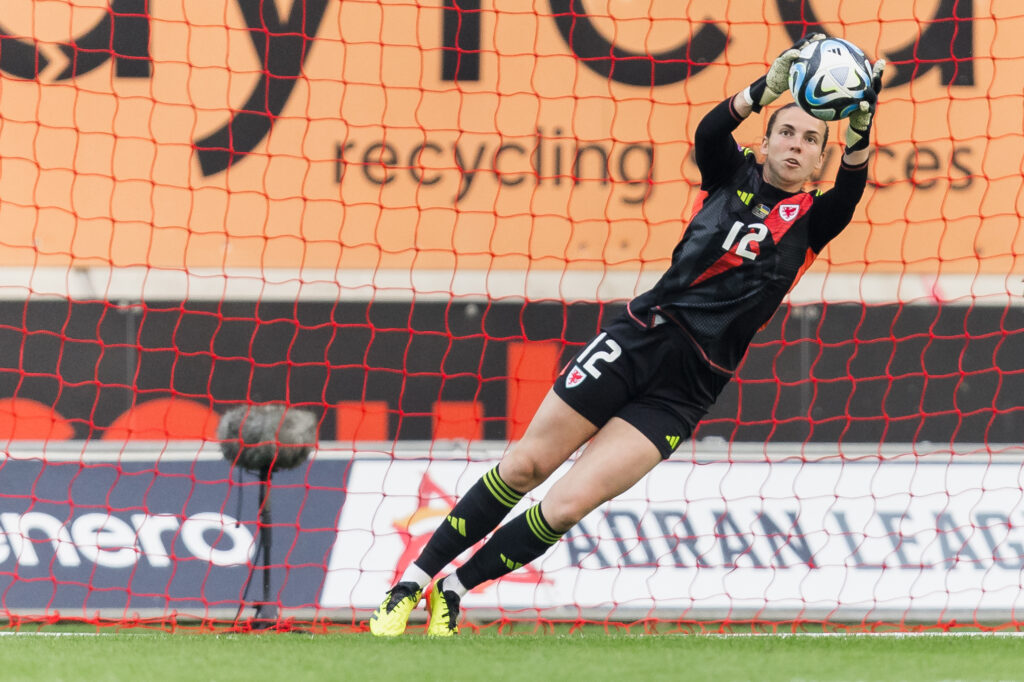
515, 544
479, 512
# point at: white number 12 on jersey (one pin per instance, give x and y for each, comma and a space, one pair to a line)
743, 248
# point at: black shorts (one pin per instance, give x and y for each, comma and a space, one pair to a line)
654, 379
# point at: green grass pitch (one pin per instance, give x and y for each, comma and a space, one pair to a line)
589, 656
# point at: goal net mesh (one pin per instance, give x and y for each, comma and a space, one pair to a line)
404, 217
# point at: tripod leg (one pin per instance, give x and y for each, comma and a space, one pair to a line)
266, 612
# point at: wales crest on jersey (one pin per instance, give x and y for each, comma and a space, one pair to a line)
789, 211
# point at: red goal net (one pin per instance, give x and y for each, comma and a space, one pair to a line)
403, 218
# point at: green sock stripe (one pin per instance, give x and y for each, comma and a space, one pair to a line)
539, 526
500, 489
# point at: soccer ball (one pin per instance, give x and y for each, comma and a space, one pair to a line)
830, 78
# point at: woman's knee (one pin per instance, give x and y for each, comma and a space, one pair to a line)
562, 513
523, 469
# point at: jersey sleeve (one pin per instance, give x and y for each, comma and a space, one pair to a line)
714, 148
833, 210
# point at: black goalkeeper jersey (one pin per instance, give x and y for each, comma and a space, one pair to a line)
746, 245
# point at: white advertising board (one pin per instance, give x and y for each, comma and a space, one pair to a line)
835, 537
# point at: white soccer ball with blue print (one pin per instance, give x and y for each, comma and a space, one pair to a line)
830, 78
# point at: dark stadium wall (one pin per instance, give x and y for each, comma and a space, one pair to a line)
884, 374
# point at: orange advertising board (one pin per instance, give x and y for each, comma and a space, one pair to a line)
473, 135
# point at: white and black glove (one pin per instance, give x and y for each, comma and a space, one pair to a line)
858, 128
767, 88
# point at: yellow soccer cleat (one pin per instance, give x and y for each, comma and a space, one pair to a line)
391, 617
443, 606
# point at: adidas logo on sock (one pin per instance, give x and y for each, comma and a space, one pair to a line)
458, 524
512, 565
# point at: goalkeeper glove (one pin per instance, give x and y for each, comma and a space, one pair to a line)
859, 126
767, 88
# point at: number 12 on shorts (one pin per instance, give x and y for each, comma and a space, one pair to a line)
601, 349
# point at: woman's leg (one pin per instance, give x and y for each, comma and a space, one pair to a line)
554, 434
615, 460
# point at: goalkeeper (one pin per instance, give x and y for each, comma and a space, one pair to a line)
641, 386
